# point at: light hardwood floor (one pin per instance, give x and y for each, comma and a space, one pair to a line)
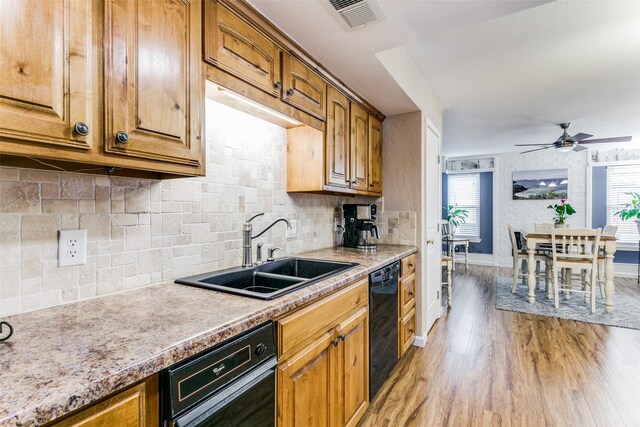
487, 367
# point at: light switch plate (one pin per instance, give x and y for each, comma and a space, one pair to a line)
72, 247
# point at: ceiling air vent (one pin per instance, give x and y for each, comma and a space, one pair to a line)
356, 13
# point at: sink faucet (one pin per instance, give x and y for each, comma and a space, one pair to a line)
247, 237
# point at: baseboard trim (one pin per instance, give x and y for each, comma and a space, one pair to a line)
420, 341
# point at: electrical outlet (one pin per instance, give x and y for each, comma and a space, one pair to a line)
72, 247
293, 231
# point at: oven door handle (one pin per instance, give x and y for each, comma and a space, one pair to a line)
208, 407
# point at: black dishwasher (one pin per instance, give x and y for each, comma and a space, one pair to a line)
383, 325
230, 385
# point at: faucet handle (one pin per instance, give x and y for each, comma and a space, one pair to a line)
271, 251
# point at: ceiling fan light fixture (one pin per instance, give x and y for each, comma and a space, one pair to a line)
565, 146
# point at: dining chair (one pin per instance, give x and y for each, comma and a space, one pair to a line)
520, 259
445, 228
575, 249
447, 262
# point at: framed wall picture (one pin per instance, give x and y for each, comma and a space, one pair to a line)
543, 184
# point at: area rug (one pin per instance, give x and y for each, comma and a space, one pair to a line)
626, 313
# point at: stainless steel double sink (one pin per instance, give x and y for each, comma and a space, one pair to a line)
270, 280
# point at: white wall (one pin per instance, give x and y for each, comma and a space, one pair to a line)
523, 214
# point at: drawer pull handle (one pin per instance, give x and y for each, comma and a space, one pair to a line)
410, 265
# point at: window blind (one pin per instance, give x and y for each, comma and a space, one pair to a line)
464, 193
621, 180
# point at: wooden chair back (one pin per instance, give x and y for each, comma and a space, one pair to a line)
446, 229
514, 241
573, 248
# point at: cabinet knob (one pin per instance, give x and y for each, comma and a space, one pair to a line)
81, 129
410, 331
277, 85
371, 184
342, 337
122, 137
354, 182
335, 342
410, 294
290, 92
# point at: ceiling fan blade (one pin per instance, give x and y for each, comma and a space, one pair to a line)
579, 148
536, 145
580, 136
537, 149
602, 140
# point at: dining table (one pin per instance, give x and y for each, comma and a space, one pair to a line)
607, 244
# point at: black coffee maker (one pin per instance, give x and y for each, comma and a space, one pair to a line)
360, 229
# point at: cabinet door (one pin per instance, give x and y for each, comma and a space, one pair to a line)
375, 155
46, 71
359, 148
407, 332
353, 368
337, 140
303, 88
238, 48
306, 392
153, 87
137, 406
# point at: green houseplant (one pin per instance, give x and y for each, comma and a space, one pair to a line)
562, 211
631, 210
456, 216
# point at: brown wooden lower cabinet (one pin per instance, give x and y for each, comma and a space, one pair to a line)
407, 304
323, 374
137, 406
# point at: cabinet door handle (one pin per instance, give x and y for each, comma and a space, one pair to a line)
342, 337
410, 265
410, 331
410, 294
122, 137
277, 85
354, 182
81, 129
290, 92
335, 342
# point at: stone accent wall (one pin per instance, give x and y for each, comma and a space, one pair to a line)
144, 231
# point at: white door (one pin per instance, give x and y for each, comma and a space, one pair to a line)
431, 216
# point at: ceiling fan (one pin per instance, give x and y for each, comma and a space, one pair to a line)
567, 142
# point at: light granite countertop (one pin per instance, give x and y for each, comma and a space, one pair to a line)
62, 358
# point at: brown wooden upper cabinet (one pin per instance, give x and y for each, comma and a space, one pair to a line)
337, 155
46, 73
375, 155
359, 146
140, 114
153, 82
303, 88
240, 49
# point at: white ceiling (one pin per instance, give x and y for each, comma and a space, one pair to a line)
505, 71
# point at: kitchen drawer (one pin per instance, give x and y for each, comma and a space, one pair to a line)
407, 331
407, 294
407, 265
308, 323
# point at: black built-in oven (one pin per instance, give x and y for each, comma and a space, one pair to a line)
230, 385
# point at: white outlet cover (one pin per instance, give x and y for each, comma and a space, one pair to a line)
293, 231
72, 247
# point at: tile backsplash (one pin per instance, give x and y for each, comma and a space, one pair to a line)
143, 231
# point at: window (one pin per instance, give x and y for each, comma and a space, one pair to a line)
464, 193
621, 180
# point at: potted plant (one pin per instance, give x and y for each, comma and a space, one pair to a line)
562, 211
456, 217
631, 210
